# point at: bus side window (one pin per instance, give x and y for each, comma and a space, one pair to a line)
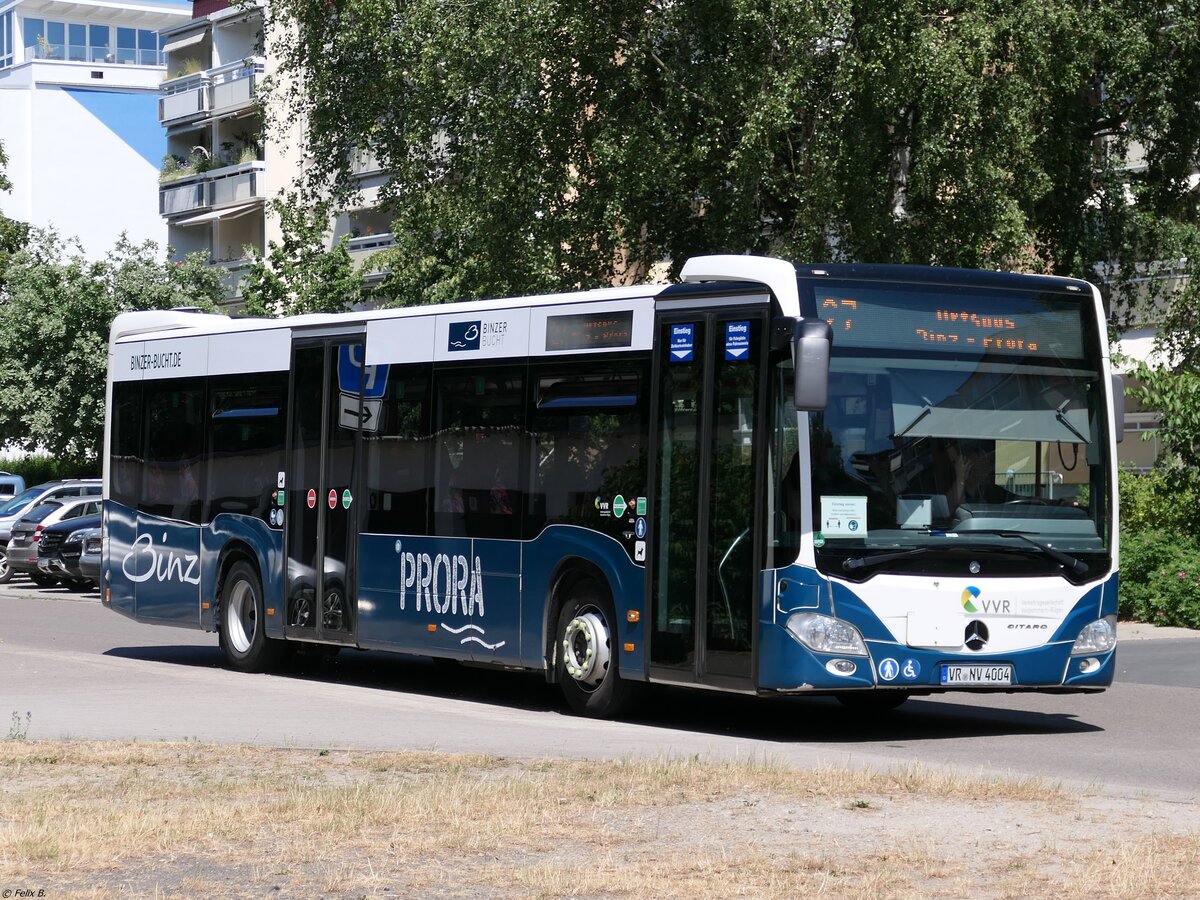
397, 457
586, 436
478, 445
174, 449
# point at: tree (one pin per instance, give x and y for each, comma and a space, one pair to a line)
299, 275
13, 234
55, 318
547, 145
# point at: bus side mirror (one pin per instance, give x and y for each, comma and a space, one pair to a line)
811, 345
1118, 406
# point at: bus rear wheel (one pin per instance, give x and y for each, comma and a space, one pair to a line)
586, 655
243, 622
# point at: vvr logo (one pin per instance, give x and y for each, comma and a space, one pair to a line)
463, 336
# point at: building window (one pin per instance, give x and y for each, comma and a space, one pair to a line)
98, 40
6, 39
147, 47
77, 43
126, 45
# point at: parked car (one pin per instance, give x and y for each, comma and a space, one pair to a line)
60, 547
10, 485
89, 560
22, 504
22, 549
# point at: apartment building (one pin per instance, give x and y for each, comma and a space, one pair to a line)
224, 170
79, 81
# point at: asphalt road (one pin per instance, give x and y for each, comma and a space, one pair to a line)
84, 672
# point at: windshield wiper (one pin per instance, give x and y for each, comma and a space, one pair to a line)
1078, 566
861, 562
913, 424
1060, 414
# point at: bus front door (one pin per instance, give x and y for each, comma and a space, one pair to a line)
706, 541
322, 482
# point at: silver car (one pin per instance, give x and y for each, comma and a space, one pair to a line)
19, 506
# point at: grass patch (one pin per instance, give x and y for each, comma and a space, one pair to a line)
93, 818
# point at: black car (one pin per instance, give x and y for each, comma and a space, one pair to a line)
59, 550
89, 561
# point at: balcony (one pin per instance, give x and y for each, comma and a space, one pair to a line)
183, 99
236, 185
234, 87
233, 274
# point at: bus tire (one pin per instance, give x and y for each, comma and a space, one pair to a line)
873, 700
243, 621
586, 654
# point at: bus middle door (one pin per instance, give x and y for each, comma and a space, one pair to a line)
327, 420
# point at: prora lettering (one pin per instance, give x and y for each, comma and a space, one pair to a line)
442, 583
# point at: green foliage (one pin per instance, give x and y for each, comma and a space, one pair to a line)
1175, 394
54, 323
1166, 497
1160, 553
550, 145
300, 275
38, 468
1160, 578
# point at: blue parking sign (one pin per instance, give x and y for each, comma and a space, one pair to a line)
351, 369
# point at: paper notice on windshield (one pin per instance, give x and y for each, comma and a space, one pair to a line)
844, 516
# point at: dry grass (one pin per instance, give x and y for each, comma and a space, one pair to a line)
92, 819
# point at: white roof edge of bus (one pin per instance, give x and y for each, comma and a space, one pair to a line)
777, 274
159, 321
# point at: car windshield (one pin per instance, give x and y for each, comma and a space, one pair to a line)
997, 448
41, 511
20, 501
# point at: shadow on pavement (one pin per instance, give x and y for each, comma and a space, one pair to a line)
780, 719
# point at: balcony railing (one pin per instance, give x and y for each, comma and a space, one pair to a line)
235, 85
219, 90
183, 98
365, 244
122, 56
233, 274
213, 189
175, 198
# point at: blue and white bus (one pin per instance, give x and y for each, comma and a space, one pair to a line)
867, 481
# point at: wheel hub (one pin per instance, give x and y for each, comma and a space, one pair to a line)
586, 653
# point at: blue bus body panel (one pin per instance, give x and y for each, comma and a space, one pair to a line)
545, 557
161, 571
120, 531
468, 599
154, 567
452, 597
265, 543
786, 664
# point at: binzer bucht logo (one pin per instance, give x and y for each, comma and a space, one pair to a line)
463, 336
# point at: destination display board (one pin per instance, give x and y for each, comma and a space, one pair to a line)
590, 331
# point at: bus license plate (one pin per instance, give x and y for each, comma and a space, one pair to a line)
956, 674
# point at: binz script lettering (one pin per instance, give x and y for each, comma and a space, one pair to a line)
144, 562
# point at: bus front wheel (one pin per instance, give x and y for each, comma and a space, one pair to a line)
586, 655
243, 624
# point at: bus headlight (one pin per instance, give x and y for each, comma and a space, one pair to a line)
1097, 637
824, 634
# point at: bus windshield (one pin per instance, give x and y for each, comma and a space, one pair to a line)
961, 423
